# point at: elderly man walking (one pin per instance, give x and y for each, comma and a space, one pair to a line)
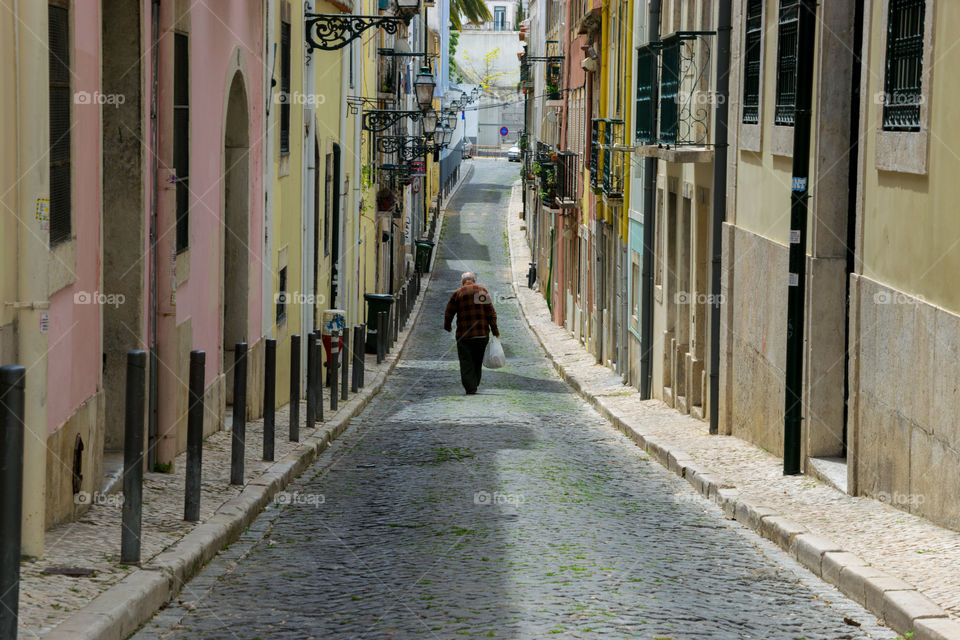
476, 319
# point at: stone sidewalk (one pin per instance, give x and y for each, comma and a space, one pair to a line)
113, 600
899, 566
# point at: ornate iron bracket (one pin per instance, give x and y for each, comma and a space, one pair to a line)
332, 31
356, 103
377, 120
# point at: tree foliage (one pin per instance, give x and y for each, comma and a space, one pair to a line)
468, 11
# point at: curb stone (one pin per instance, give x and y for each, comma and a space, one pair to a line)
896, 602
123, 608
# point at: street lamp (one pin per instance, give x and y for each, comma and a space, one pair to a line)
429, 122
424, 86
451, 119
446, 136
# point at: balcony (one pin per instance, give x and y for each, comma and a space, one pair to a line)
607, 160
568, 180
545, 168
681, 63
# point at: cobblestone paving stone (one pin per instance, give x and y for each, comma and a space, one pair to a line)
515, 513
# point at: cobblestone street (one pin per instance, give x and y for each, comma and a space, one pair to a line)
515, 513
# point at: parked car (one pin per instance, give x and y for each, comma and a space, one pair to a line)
513, 154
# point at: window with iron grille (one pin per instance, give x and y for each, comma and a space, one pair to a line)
669, 89
181, 136
646, 77
58, 27
285, 87
904, 64
751, 62
787, 40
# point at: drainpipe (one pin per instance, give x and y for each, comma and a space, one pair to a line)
796, 289
154, 204
309, 240
649, 232
719, 204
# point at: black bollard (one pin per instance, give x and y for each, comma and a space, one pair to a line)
133, 457
191, 499
239, 433
381, 335
332, 368
311, 385
362, 355
12, 380
269, 397
318, 374
357, 358
345, 365
294, 388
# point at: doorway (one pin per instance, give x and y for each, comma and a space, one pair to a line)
236, 226
123, 219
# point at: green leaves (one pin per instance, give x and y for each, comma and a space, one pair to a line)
468, 11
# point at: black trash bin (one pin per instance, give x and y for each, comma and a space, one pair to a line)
424, 253
376, 302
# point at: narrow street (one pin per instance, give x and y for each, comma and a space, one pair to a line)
515, 513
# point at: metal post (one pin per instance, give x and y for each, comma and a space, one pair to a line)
357, 358
381, 336
239, 432
133, 457
269, 397
318, 375
362, 355
332, 368
191, 499
311, 386
796, 285
11, 497
294, 388
345, 366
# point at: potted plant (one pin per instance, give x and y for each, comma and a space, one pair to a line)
553, 92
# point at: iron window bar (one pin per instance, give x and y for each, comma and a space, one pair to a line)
787, 42
903, 90
752, 63
567, 179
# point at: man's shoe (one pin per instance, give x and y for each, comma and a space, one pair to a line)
471, 393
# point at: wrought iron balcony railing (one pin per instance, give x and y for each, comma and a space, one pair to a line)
682, 61
685, 99
595, 154
612, 158
568, 179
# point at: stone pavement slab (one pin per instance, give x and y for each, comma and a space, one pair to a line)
891, 542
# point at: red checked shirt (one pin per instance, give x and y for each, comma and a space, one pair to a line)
473, 307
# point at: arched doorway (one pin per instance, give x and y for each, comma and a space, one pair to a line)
236, 225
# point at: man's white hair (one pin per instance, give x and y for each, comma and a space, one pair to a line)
467, 275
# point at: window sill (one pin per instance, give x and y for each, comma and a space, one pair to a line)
902, 151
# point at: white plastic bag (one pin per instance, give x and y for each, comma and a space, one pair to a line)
494, 357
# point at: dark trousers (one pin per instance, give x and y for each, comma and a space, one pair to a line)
470, 351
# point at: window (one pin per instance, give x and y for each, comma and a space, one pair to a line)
282, 296
646, 77
327, 202
751, 62
181, 136
58, 27
499, 18
904, 64
284, 87
787, 63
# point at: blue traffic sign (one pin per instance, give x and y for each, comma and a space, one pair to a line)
504, 131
